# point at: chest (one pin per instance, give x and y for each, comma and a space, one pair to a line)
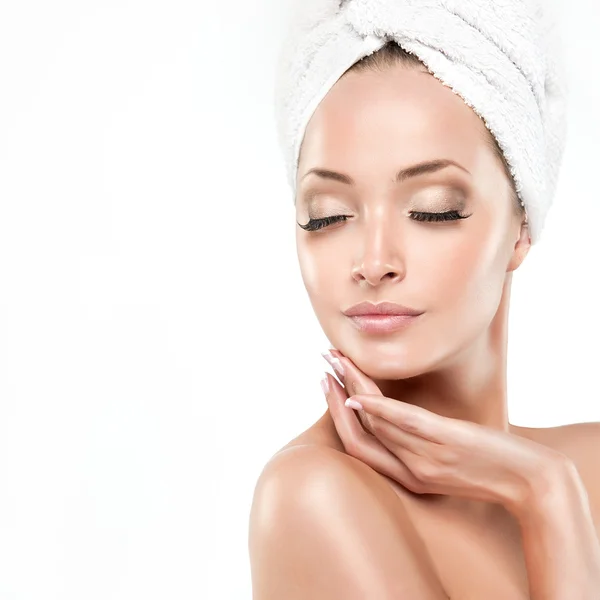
473, 561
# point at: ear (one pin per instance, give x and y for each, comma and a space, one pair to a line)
521, 247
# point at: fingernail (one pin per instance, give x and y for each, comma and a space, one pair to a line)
337, 366
353, 404
325, 385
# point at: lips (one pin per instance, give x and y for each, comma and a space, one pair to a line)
382, 323
383, 308
385, 317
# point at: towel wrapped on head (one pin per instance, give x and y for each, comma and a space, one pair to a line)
502, 57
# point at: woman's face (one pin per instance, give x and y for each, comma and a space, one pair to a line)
370, 126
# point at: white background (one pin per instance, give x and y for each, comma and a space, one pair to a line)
156, 341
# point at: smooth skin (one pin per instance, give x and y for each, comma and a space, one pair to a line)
432, 454
324, 524
537, 486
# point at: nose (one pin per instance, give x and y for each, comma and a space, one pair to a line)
380, 257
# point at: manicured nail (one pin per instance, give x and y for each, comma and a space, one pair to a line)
353, 404
337, 366
325, 385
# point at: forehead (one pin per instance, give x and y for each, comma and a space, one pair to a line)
372, 122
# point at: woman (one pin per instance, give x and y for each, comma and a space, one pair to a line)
427, 492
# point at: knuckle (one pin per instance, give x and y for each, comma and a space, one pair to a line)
406, 476
376, 426
353, 446
425, 471
418, 487
412, 424
447, 456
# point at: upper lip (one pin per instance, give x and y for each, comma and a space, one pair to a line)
383, 308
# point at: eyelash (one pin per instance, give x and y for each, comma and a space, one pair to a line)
451, 215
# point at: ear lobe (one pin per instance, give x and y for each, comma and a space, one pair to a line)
521, 248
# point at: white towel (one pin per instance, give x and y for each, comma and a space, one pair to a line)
503, 57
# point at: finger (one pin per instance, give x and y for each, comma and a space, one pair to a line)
394, 438
361, 444
419, 456
346, 423
354, 380
334, 363
412, 419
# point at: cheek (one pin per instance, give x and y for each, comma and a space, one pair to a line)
319, 272
323, 279
441, 273
465, 279
471, 285
309, 269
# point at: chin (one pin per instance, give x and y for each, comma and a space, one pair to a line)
389, 373
382, 360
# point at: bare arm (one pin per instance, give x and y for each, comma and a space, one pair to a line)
323, 526
560, 542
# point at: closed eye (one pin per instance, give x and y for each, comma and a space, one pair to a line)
450, 215
314, 224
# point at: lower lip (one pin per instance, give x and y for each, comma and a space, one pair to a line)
382, 323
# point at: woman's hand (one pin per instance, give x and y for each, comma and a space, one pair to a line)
432, 454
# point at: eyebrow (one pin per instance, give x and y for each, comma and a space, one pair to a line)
422, 168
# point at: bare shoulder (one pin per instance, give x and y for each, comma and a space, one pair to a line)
323, 525
580, 442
